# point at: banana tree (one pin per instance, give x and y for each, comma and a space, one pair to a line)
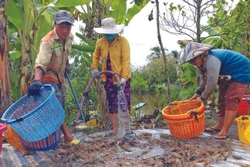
5, 94
32, 20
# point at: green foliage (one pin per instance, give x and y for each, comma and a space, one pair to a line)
188, 81
234, 33
63, 3
15, 68
149, 83
131, 12
138, 2
154, 72
138, 84
176, 89
81, 75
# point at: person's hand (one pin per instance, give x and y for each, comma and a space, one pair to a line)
198, 99
34, 88
195, 96
122, 83
95, 73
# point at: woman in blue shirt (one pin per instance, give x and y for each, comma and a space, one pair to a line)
230, 70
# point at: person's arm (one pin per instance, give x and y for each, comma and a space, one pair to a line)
202, 82
213, 66
96, 56
200, 88
38, 73
42, 60
125, 59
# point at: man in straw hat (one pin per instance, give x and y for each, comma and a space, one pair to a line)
231, 70
52, 61
114, 50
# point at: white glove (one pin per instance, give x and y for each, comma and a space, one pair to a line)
95, 73
122, 83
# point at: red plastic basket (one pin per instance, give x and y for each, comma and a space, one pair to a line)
185, 119
244, 106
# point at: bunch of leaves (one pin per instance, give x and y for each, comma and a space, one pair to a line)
188, 81
15, 64
235, 33
154, 72
138, 85
149, 83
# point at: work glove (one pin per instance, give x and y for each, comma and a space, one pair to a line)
34, 88
95, 73
122, 83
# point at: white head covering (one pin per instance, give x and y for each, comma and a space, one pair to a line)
192, 50
109, 27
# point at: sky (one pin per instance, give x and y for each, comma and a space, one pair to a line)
142, 36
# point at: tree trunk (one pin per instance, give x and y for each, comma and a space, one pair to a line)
5, 95
163, 51
25, 61
105, 119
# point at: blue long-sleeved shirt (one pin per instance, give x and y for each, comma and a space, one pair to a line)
223, 62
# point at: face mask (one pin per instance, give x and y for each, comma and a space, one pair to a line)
110, 36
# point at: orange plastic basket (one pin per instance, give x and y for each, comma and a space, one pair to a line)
13, 138
3, 128
185, 119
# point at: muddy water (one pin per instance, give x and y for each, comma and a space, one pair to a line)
151, 101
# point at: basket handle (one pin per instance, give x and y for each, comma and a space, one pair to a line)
49, 86
244, 118
175, 103
194, 113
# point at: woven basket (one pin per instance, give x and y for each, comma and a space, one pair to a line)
13, 138
243, 122
35, 118
247, 134
185, 119
47, 143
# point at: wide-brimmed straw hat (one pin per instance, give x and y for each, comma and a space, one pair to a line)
109, 27
192, 50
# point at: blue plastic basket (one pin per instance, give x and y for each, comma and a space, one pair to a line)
47, 143
35, 118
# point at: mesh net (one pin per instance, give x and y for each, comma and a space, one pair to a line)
123, 115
